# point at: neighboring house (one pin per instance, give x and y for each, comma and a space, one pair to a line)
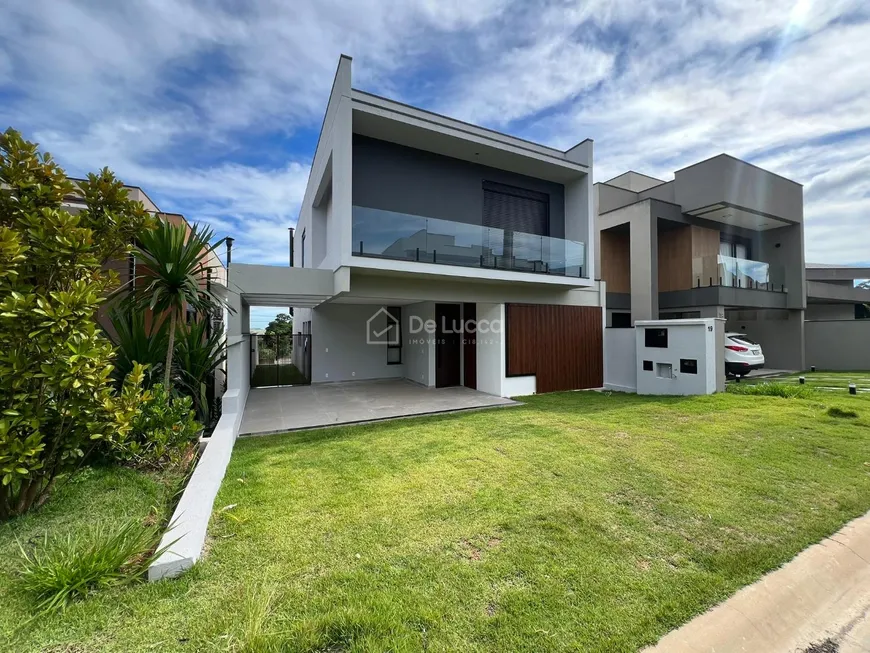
832, 293
724, 238
837, 324
126, 268
411, 216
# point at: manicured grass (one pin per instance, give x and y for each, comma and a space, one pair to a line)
579, 521
830, 381
284, 374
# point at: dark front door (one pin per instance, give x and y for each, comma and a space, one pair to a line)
448, 345
469, 346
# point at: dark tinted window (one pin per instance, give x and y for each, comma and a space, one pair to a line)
621, 320
744, 340
688, 366
516, 209
656, 338
647, 366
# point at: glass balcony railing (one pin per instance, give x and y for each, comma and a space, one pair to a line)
719, 270
403, 237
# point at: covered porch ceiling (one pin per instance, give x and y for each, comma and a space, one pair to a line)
737, 216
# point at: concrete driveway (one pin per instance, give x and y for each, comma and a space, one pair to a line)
275, 410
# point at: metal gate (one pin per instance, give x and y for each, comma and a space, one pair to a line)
279, 360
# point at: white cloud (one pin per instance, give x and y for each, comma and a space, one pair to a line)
526, 80
157, 89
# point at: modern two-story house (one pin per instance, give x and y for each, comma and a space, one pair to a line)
724, 238
440, 252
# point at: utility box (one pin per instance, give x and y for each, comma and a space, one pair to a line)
680, 357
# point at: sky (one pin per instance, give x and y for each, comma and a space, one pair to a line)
213, 106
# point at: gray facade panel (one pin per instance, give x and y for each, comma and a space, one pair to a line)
405, 180
838, 345
726, 179
722, 296
619, 301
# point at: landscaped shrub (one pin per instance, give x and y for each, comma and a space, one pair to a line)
162, 427
785, 390
61, 568
198, 353
138, 343
56, 398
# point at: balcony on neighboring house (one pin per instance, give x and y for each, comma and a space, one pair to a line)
734, 272
404, 237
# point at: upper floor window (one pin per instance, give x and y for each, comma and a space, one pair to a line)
303, 248
735, 247
516, 209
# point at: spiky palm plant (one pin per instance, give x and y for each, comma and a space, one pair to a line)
174, 265
198, 354
136, 343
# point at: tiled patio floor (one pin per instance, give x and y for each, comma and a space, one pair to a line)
272, 410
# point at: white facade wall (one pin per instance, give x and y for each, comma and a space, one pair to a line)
418, 350
339, 349
490, 352
491, 358
620, 360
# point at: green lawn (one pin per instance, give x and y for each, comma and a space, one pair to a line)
829, 381
579, 521
284, 374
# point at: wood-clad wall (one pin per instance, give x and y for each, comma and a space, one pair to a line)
561, 345
705, 251
705, 242
616, 260
675, 259
681, 251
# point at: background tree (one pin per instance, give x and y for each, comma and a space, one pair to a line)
174, 264
281, 325
55, 363
279, 334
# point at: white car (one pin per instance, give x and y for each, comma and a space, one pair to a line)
742, 354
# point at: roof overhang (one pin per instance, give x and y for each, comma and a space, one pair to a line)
272, 285
398, 123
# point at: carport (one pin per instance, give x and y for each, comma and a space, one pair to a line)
275, 410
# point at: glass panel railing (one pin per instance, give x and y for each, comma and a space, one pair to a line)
719, 270
403, 237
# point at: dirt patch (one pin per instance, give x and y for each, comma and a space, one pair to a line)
474, 549
490, 609
469, 551
644, 565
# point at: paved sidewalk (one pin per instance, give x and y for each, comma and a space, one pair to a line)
817, 603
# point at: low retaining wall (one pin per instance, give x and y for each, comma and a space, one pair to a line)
189, 523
